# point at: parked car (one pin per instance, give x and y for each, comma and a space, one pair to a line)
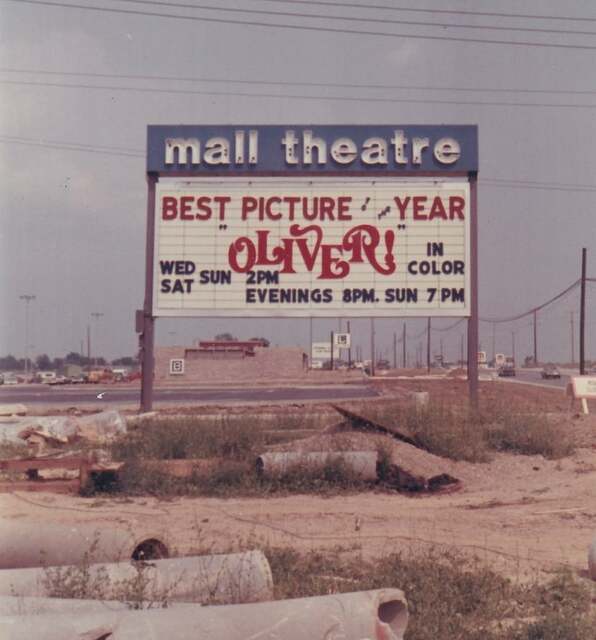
506, 370
550, 371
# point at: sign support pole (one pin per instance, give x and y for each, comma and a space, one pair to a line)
582, 317
147, 335
473, 319
350, 349
428, 345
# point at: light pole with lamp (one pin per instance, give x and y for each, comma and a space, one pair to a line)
96, 316
27, 298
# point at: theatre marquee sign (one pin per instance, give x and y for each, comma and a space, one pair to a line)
311, 221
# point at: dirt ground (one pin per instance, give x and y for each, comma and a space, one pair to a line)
521, 513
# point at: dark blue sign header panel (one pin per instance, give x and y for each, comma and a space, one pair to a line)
242, 149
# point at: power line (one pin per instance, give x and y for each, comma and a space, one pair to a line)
121, 151
68, 147
448, 328
71, 144
538, 308
294, 83
296, 27
515, 185
318, 16
491, 14
554, 183
296, 96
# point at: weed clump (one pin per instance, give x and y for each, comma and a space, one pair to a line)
460, 433
449, 595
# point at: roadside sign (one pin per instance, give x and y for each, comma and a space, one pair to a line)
177, 366
322, 351
310, 221
582, 388
342, 340
320, 247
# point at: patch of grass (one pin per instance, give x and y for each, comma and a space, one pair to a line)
9, 449
235, 442
190, 438
461, 434
449, 595
232, 478
528, 434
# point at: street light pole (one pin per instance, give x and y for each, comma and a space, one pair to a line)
96, 316
27, 298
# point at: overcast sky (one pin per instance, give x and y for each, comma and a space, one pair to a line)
73, 196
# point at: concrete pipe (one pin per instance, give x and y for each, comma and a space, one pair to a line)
592, 559
370, 615
363, 464
216, 579
26, 606
33, 544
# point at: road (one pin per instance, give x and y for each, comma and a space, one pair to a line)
533, 377
112, 395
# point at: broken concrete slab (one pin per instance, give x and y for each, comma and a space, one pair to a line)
401, 465
213, 579
363, 423
31, 544
376, 615
363, 464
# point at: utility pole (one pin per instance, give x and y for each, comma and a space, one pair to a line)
27, 297
403, 347
394, 350
441, 349
332, 351
372, 346
461, 350
96, 316
535, 338
582, 317
428, 345
494, 342
88, 345
572, 314
513, 345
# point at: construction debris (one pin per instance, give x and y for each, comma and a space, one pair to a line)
27, 544
13, 410
363, 464
362, 423
213, 579
405, 465
376, 615
96, 427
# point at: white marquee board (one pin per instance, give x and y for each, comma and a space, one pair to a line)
322, 247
